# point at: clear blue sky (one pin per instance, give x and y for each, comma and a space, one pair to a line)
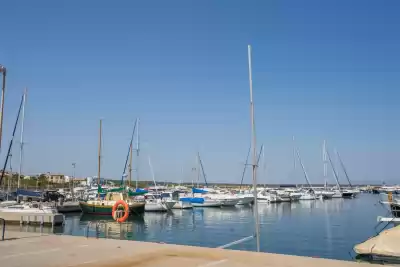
321, 69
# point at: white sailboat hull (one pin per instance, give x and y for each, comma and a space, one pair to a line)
208, 203
229, 202
182, 205
307, 197
245, 200
158, 205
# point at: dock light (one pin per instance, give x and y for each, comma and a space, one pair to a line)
3, 89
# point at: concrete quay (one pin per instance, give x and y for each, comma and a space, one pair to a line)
35, 250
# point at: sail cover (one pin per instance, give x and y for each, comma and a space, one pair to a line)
385, 244
199, 191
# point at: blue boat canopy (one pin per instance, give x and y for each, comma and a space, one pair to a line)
199, 191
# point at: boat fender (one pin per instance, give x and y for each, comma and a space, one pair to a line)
126, 210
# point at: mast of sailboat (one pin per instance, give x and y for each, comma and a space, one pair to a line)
152, 174
3, 90
245, 167
11, 142
344, 168
304, 170
21, 148
137, 152
333, 169
253, 132
130, 165
129, 152
324, 159
336, 163
294, 154
202, 170
99, 160
247, 162
198, 168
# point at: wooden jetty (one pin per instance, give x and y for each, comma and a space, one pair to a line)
35, 250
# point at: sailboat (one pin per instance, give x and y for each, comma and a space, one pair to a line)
154, 202
104, 206
309, 194
324, 194
339, 193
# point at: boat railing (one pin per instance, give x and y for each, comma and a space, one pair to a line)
237, 242
3, 231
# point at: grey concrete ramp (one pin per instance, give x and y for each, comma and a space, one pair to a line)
34, 250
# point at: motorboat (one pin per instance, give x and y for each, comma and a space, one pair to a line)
337, 194
267, 197
179, 203
154, 202
245, 199
308, 195
32, 207
324, 194
8, 203
347, 194
283, 195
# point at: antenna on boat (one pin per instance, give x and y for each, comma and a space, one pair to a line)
254, 165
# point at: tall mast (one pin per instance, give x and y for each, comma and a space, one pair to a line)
294, 154
344, 168
325, 161
130, 165
336, 163
254, 165
3, 90
198, 168
304, 170
333, 169
152, 174
137, 152
99, 160
21, 148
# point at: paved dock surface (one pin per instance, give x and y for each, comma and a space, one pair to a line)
35, 250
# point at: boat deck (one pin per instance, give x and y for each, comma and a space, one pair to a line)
35, 250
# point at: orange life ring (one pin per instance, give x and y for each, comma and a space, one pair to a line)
126, 210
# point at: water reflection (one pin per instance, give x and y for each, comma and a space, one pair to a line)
323, 228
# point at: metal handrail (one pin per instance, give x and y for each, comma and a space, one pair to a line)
4, 228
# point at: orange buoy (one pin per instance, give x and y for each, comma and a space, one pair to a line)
126, 210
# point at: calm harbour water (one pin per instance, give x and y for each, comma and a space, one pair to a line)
326, 229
